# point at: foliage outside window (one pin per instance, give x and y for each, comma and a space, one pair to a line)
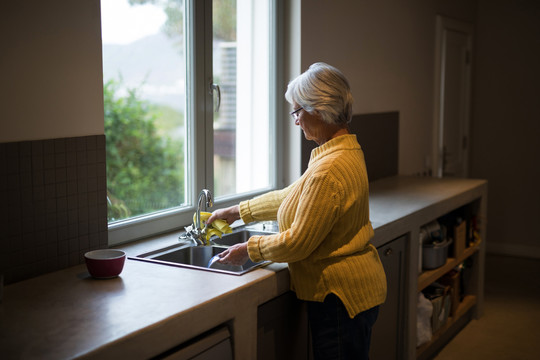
153, 158
153, 165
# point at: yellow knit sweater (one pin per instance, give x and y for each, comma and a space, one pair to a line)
325, 230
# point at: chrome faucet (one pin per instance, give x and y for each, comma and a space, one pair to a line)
206, 195
196, 233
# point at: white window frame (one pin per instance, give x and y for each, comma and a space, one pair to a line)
199, 112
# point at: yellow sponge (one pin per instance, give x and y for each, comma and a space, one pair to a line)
218, 227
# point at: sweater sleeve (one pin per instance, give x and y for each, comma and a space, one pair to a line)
317, 212
263, 207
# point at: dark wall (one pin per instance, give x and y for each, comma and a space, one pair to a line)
378, 135
506, 122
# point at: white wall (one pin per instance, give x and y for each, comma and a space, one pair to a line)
386, 49
51, 84
50, 66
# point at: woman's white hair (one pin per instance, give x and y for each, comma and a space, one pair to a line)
324, 89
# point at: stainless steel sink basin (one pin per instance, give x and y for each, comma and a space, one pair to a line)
238, 237
198, 257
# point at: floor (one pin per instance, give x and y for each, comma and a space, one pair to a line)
510, 326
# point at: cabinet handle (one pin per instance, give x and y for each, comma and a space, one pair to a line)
388, 252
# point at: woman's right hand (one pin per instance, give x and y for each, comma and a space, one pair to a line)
230, 214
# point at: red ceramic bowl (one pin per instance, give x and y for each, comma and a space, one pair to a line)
106, 263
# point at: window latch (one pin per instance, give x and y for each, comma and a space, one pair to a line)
213, 88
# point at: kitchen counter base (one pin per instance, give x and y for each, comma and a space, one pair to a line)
151, 308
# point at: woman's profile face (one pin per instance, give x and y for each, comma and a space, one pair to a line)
311, 124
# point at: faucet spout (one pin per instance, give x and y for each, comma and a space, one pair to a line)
195, 232
205, 197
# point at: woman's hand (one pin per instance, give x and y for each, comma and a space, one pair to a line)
230, 214
235, 255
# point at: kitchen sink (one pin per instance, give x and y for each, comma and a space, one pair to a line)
238, 237
198, 257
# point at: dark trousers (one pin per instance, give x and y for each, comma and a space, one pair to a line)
335, 335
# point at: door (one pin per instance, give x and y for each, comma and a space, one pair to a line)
452, 97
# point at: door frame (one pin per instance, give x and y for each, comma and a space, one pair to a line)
444, 24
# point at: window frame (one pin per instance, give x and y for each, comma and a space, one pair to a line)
199, 132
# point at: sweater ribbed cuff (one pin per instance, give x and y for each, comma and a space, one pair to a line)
245, 212
254, 250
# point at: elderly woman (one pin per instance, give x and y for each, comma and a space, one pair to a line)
323, 220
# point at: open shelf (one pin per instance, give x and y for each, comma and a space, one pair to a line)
466, 304
469, 301
429, 276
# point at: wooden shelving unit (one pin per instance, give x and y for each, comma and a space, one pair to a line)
402, 206
428, 277
466, 304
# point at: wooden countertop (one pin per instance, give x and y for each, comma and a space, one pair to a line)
150, 308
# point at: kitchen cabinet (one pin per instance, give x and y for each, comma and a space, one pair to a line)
212, 345
282, 323
150, 309
387, 336
282, 329
402, 206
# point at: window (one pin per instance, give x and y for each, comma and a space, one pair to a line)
188, 94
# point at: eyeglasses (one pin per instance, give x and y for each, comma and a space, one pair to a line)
294, 113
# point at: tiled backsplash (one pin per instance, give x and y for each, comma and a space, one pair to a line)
53, 204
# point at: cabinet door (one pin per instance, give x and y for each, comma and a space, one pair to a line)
213, 345
282, 329
387, 336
